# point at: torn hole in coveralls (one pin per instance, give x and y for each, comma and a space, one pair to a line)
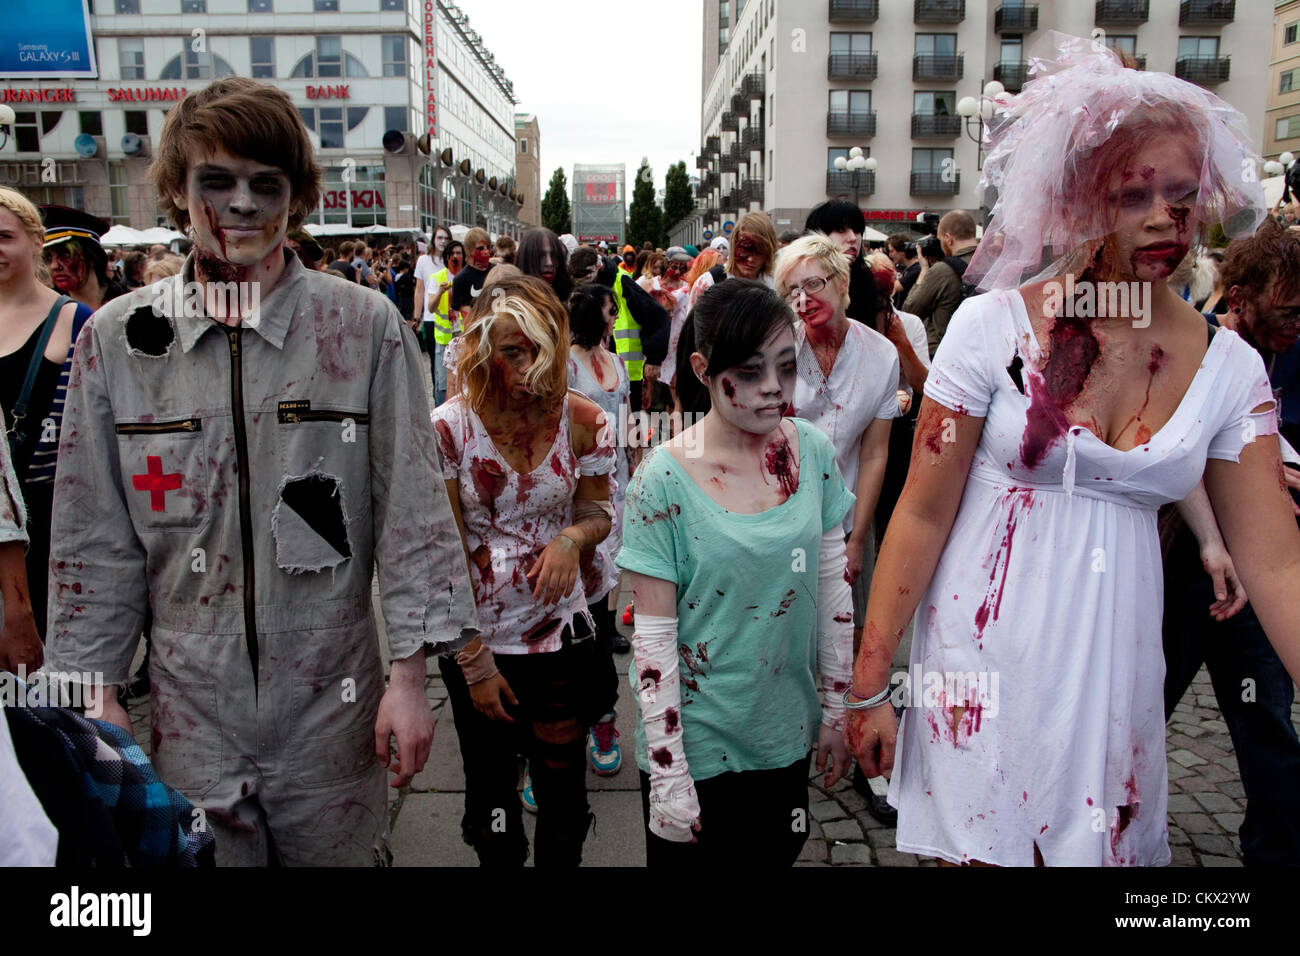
148, 333
309, 524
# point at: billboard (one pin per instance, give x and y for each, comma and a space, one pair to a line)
598, 199
47, 38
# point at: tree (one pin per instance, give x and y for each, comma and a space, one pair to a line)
556, 212
679, 201
644, 218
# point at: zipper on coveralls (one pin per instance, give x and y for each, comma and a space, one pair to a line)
245, 505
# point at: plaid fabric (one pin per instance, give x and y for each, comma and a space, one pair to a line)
155, 824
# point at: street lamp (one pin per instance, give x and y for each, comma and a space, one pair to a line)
981, 110
855, 162
6, 122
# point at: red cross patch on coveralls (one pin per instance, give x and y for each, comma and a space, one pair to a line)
156, 483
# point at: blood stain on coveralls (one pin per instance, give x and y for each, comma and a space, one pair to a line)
149, 333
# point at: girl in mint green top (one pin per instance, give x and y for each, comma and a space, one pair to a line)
723, 530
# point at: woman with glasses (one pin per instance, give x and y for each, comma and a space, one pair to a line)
37, 333
752, 255
1024, 547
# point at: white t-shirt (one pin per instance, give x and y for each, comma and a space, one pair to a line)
863, 386
915, 330
424, 269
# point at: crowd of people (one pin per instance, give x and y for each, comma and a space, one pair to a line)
942, 434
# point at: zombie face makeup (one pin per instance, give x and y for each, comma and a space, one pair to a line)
850, 242
67, 265
749, 257
815, 299
239, 210
1152, 199
482, 255
611, 315
440, 239
513, 354
546, 267
1272, 318
753, 395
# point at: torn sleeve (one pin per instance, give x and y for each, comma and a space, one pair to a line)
424, 584
98, 589
13, 510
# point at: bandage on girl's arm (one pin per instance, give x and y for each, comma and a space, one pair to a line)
834, 628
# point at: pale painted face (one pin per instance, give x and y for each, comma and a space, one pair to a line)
513, 354
239, 208
1153, 199
850, 242
753, 395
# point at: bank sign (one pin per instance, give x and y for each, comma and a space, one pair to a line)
47, 38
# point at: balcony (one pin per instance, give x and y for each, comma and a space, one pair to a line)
712, 145
739, 105
702, 160
711, 180
939, 11
728, 163
748, 191
841, 183
730, 121
1202, 70
936, 184
854, 11
1121, 11
752, 86
938, 66
851, 123
932, 124
853, 66
1012, 75
731, 200
1016, 18
1206, 13
751, 138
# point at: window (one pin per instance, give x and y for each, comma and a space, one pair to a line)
26, 138
1012, 49
935, 103
259, 6
1288, 83
850, 101
770, 160
523, 144
128, 6
194, 6
931, 160
329, 56
395, 117
261, 54
327, 6
1290, 34
1122, 44
850, 42
392, 4
331, 127
196, 66
137, 121
1198, 47
92, 123
316, 64
936, 44
119, 193
394, 54
724, 36
724, 10
771, 109
834, 153
1288, 128
130, 58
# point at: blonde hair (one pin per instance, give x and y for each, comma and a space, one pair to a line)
28, 216
533, 304
819, 248
161, 269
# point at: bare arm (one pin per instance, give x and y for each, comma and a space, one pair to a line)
1254, 511
1199, 515
873, 454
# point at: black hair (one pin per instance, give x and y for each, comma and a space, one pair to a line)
728, 324
788, 237
587, 314
834, 215
453, 244
528, 257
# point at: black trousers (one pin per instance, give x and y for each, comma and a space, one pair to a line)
757, 818
566, 685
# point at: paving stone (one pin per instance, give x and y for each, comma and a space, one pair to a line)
815, 830
1212, 843
888, 857
1215, 802
851, 801
1188, 730
1181, 856
1181, 803
882, 838
1232, 788
1217, 774
826, 810
1229, 821
1208, 860
1178, 742
814, 851
1177, 771
1215, 726
851, 853
1211, 753
1196, 822
845, 830
867, 821
1178, 838
1186, 758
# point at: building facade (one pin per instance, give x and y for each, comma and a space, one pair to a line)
528, 167
790, 85
599, 202
1282, 113
356, 69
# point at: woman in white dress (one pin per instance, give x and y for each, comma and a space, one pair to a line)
1051, 430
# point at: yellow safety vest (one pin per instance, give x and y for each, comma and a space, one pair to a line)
442, 328
627, 334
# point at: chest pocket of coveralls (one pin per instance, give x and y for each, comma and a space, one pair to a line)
164, 473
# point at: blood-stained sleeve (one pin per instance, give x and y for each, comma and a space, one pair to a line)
423, 582
98, 592
13, 512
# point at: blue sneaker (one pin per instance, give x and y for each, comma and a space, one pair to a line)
605, 754
526, 798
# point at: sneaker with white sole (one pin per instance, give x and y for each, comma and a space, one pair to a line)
605, 754
526, 798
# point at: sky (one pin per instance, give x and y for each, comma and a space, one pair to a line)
609, 82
